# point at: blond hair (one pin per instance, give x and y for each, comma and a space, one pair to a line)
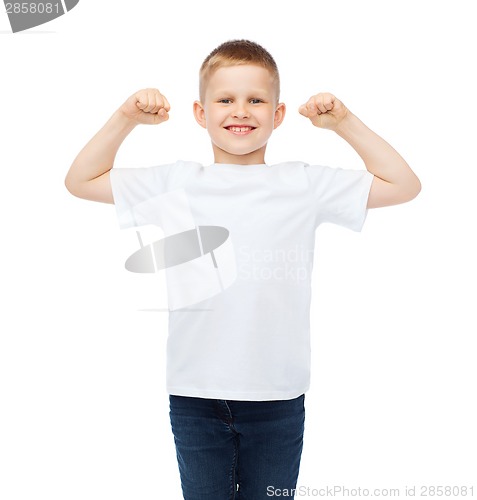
234, 53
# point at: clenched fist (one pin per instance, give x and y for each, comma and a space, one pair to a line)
147, 106
324, 110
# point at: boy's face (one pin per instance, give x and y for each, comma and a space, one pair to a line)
240, 112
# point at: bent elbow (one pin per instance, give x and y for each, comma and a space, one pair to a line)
73, 187
416, 189
69, 186
410, 188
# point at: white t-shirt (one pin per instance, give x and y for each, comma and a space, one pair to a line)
249, 339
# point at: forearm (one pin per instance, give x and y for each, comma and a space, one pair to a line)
379, 157
97, 157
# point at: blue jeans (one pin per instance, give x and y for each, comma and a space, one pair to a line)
231, 450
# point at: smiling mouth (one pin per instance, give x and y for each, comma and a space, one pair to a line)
240, 130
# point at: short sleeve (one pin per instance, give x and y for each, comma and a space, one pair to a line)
133, 188
140, 194
339, 196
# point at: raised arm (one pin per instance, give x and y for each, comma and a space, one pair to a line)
88, 176
394, 181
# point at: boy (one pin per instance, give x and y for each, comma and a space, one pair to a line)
238, 368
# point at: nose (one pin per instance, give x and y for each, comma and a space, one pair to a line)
240, 111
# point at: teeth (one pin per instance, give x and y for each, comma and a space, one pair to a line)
240, 129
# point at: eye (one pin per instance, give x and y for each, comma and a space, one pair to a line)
256, 101
225, 101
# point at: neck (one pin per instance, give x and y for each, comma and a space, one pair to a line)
254, 158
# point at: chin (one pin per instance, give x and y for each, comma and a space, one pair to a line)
237, 151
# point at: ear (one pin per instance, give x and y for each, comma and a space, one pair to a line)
199, 114
279, 115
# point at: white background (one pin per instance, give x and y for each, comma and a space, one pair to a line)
83, 407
